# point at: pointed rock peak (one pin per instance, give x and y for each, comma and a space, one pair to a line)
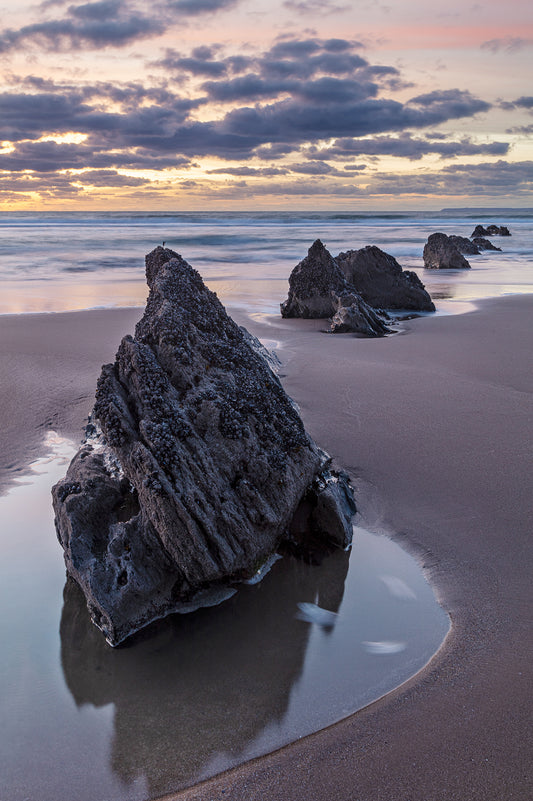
317, 249
155, 260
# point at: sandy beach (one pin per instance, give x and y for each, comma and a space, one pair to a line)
435, 427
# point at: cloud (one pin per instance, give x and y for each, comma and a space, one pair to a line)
313, 168
405, 146
500, 178
61, 109
105, 23
453, 103
323, 7
115, 25
248, 171
520, 102
290, 59
507, 44
198, 7
50, 156
524, 130
303, 106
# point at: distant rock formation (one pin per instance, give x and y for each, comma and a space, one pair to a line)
484, 244
318, 289
465, 245
491, 230
195, 467
381, 282
440, 253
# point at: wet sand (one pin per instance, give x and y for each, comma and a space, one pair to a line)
435, 426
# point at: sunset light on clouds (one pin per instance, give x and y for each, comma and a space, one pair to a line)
190, 104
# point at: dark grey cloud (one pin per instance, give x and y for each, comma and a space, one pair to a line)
105, 23
49, 156
96, 10
145, 112
203, 61
295, 121
325, 90
454, 103
196, 7
290, 59
249, 87
117, 27
406, 146
520, 102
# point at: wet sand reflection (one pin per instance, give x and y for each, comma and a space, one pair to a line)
192, 687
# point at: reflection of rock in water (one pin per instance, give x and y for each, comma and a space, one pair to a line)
196, 685
443, 291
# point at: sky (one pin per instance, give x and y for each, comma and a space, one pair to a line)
265, 104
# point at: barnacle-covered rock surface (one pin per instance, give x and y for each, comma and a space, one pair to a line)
194, 466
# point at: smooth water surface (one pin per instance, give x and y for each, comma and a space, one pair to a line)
194, 694
59, 261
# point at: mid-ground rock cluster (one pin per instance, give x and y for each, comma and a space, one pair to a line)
353, 289
443, 252
195, 468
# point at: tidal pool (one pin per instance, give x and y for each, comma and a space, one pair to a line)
194, 694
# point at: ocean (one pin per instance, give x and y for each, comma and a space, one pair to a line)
58, 261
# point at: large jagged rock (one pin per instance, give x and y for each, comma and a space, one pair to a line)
318, 289
314, 285
441, 254
194, 466
381, 282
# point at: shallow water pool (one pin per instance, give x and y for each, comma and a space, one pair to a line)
193, 694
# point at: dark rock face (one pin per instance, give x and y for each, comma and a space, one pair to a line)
465, 245
194, 465
491, 230
356, 316
484, 244
440, 253
381, 282
318, 289
314, 285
